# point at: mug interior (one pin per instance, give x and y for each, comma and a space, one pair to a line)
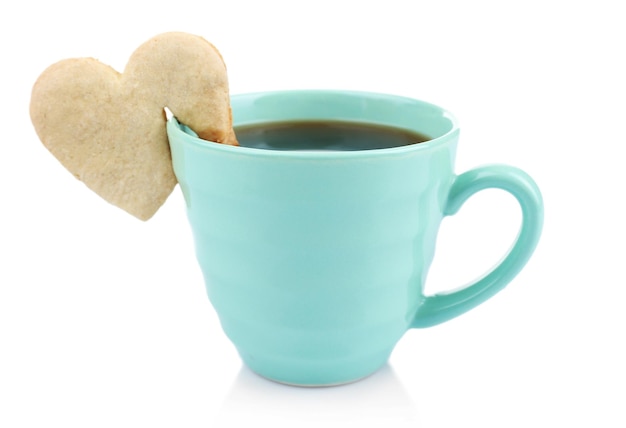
349, 106
385, 110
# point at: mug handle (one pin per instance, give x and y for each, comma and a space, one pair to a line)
444, 306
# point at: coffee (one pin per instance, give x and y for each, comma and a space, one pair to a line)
325, 135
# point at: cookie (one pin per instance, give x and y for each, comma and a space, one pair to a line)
109, 128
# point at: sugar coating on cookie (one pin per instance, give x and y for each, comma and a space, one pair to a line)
109, 128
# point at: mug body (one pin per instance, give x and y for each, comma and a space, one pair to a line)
315, 260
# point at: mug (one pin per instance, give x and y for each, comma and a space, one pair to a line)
315, 261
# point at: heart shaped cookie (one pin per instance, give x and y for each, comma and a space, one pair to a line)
109, 128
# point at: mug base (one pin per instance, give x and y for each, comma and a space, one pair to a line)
315, 374
321, 385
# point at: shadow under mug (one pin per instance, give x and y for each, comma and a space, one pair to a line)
315, 261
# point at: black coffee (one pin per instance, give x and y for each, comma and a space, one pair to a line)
324, 135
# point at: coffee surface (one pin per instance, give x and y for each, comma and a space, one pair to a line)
325, 135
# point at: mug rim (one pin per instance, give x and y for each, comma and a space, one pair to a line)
188, 136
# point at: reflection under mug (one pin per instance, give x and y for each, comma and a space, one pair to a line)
315, 260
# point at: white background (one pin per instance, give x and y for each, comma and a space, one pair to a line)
104, 319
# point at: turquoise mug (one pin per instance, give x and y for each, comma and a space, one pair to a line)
315, 261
